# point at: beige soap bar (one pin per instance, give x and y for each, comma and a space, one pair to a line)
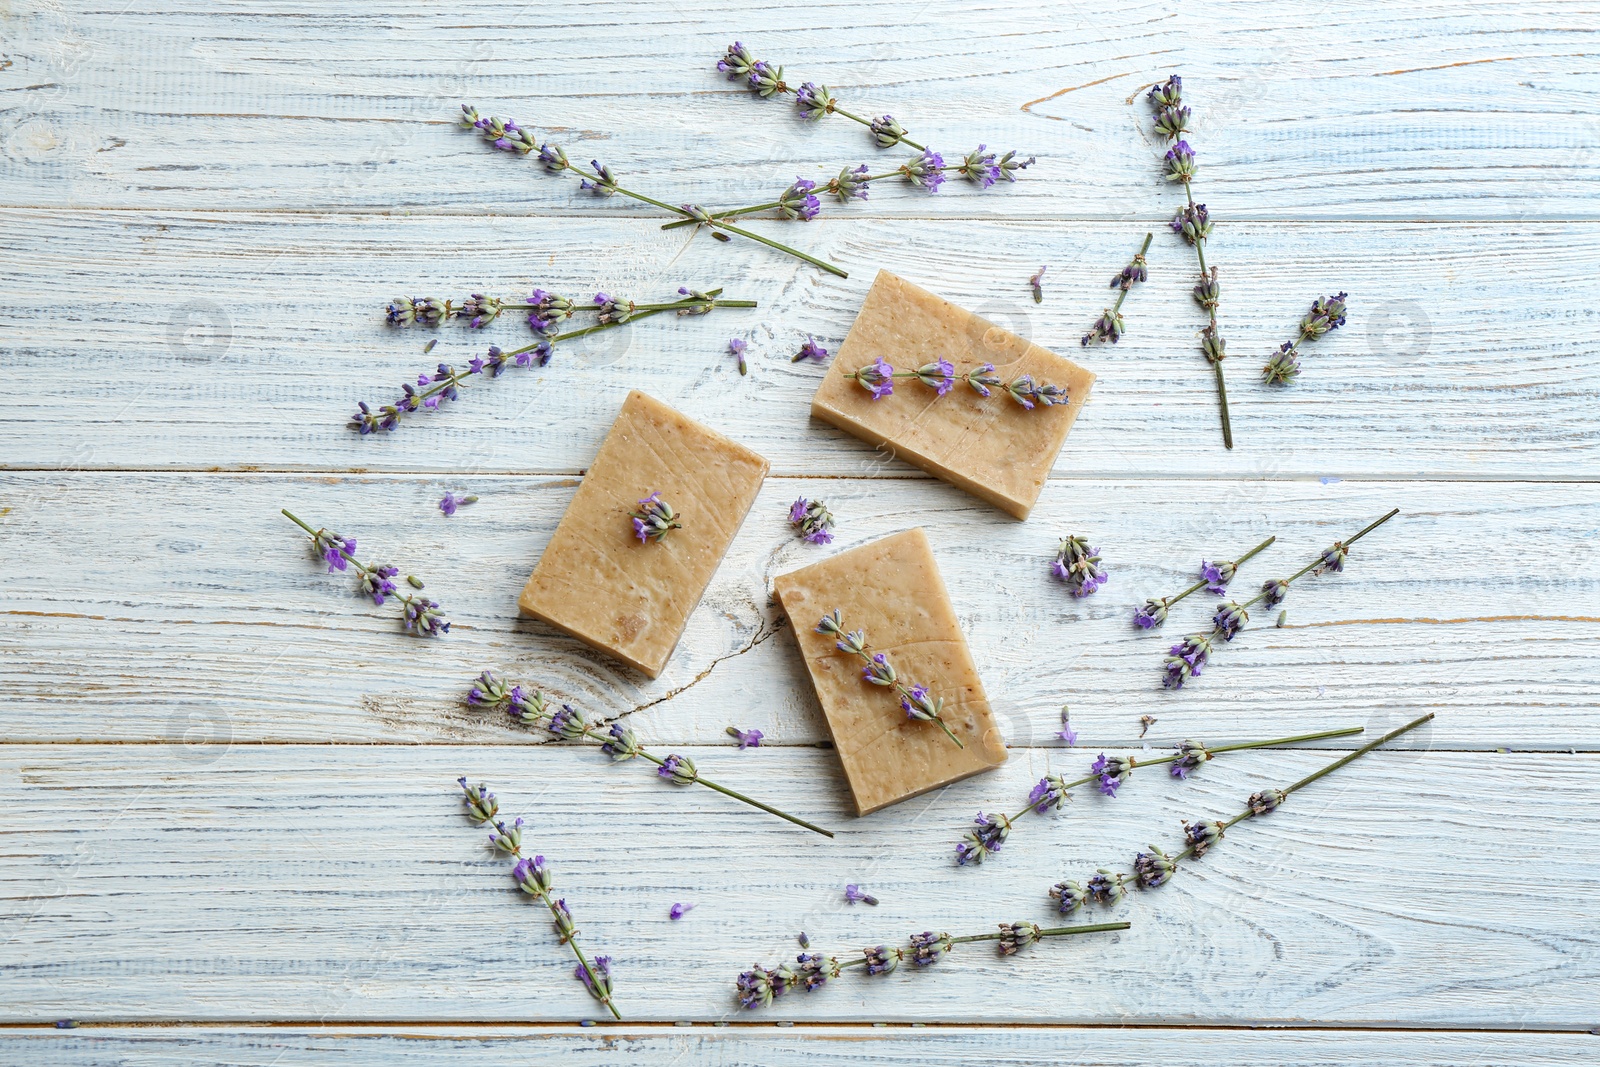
604, 586
891, 589
993, 448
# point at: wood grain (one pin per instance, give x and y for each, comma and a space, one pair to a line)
265, 331
186, 605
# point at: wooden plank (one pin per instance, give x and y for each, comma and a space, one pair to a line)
299, 883
150, 607
490, 1046
227, 341
1440, 110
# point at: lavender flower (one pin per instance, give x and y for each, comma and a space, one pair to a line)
1111, 771
815, 970
876, 377
798, 202
1107, 887
1283, 367
1050, 792
736, 348
1027, 392
1036, 283
1154, 868
886, 131
507, 838
654, 519
1110, 325
597, 978
1201, 834
1067, 733
915, 700
1268, 800
1180, 163
810, 350
1273, 591
679, 770
678, 911
419, 616
603, 183
984, 839
746, 738
1190, 755
623, 743
1153, 614
1192, 223
1078, 565
940, 376
852, 183
927, 947
755, 988
451, 502
1069, 896
979, 166
881, 959
853, 893
1015, 936
481, 804
737, 63
812, 520
814, 101
926, 170
1217, 575
1186, 660
1229, 618
1327, 313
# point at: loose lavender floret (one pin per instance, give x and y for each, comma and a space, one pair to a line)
853, 893
1067, 733
654, 519
678, 911
1078, 566
1036, 283
812, 520
451, 502
746, 738
810, 350
736, 348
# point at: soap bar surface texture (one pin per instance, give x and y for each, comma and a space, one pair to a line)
597, 580
990, 446
891, 588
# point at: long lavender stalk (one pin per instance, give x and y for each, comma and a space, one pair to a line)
420, 616
1155, 868
529, 708
534, 878
1188, 657
756, 988
1193, 224
915, 700
1326, 314
1109, 326
1108, 773
509, 137
1213, 576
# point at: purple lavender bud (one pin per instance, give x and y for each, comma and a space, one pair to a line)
612, 309
1190, 755
679, 770
1180, 163
746, 738
1009, 164
480, 310
507, 838
1283, 366
881, 959
603, 183
1186, 660
1067, 733
926, 170
878, 671
1202, 835
654, 519
1050, 792
984, 839
810, 350
1168, 93
377, 583
1212, 346
1014, 936
678, 911
927, 947
737, 63
1108, 327
851, 183
1332, 559
553, 158
1112, 771
596, 978
1036, 283
736, 348
765, 80
568, 723
1069, 896
814, 101
481, 804
1327, 313
886, 131
422, 618
1154, 868
451, 502
876, 378
487, 690
979, 166
1078, 566
1193, 224
1217, 576
815, 970
469, 117
1152, 615
1276, 589
796, 202
623, 744
1266, 801
1107, 887
982, 379
1172, 121
812, 520
754, 989
853, 893
939, 376
1027, 392
532, 876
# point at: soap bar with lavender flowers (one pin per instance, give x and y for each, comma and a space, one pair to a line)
992, 447
891, 590
626, 592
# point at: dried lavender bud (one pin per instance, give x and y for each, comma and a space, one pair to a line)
1069, 896
1192, 223
765, 80
1283, 367
1027, 392
553, 158
612, 310
1327, 313
812, 520
810, 350
1201, 835
1191, 754
1078, 565
876, 378
1186, 660
927, 947
1153, 614
1067, 733
623, 744
1036, 282
1108, 327
679, 770
1208, 290
853, 893
797, 201
755, 988
746, 738
1009, 164
852, 183
1050, 792
451, 503
1133, 273
886, 131
1333, 558
1180, 163
678, 911
596, 978
1113, 771
1107, 887
1266, 801
982, 379
1014, 936
926, 170
1274, 591
814, 101
736, 348
737, 63
805, 942
1229, 618
568, 723
881, 959
986, 838
1172, 121
480, 310
654, 519
1154, 868
1212, 346
815, 970
481, 804
532, 876
507, 838
1168, 93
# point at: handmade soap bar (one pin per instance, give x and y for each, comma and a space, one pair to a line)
991, 447
631, 598
891, 589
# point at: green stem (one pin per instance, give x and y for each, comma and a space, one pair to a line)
906, 693
1318, 561
870, 178
725, 791
1055, 931
1222, 385
572, 941
1240, 562
1124, 294
1357, 754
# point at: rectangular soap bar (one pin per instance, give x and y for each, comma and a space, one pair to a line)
891, 588
992, 447
599, 582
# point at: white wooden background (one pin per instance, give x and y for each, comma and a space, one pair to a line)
227, 826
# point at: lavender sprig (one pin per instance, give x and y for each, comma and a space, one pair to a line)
758, 987
654, 519
420, 616
878, 378
1189, 656
533, 877
529, 708
1107, 774
814, 101
509, 137
915, 700
446, 383
1326, 314
1193, 224
543, 308
1155, 868
1109, 326
1213, 576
